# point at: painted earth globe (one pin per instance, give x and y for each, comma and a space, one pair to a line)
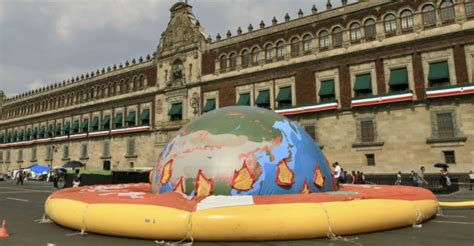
241, 151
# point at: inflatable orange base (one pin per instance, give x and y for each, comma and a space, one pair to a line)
131, 210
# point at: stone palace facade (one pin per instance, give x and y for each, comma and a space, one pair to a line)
382, 85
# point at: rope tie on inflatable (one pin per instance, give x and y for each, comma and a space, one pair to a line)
44, 220
330, 234
419, 217
188, 235
83, 224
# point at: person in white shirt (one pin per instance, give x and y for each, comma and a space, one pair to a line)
337, 174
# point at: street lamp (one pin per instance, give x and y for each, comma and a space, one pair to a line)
54, 148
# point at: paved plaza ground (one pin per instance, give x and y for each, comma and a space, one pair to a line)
22, 205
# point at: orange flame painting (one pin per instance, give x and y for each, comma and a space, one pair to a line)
166, 172
284, 175
305, 188
203, 186
243, 179
179, 185
318, 178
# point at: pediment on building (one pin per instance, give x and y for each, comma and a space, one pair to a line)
183, 31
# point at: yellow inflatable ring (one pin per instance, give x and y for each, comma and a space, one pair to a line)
131, 210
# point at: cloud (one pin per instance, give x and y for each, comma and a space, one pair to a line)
35, 85
44, 42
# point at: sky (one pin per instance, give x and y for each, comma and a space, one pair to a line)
44, 42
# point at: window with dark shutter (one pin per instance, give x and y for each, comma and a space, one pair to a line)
367, 131
445, 125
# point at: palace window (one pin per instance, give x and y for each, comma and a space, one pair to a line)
363, 85
449, 157
370, 159
58, 129
145, 117
210, 105
280, 50
244, 99
390, 24
263, 99
233, 60
95, 124
337, 36
85, 125
118, 120
223, 62
33, 154
67, 128
7, 156
356, 34
131, 119
176, 112
311, 131
323, 39
106, 122
469, 9
269, 52
245, 58
65, 152
407, 20
429, 15
19, 156
367, 134
445, 124
295, 46
284, 96
307, 43
49, 153
327, 91
398, 79
447, 11
1, 156
84, 152
106, 150
255, 54
439, 74
131, 148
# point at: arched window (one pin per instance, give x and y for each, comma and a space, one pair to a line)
135, 84
370, 29
323, 39
355, 32
447, 10
141, 82
233, 60
223, 62
390, 24
124, 87
337, 36
269, 52
429, 15
407, 20
307, 43
245, 58
280, 50
295, 46
255, 54
469, 9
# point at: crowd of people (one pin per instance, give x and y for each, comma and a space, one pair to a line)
55, 176
341, 176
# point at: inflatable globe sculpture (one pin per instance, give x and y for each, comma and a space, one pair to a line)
241, 151
240, 174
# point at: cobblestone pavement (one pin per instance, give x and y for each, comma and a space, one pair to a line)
22, 205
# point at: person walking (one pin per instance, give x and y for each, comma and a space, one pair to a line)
414, 178
337, 174
354, 177
471, 179
20, 177
77, 179
399, 179
421, 177
55, 177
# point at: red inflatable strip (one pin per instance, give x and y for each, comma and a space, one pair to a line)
351, 192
